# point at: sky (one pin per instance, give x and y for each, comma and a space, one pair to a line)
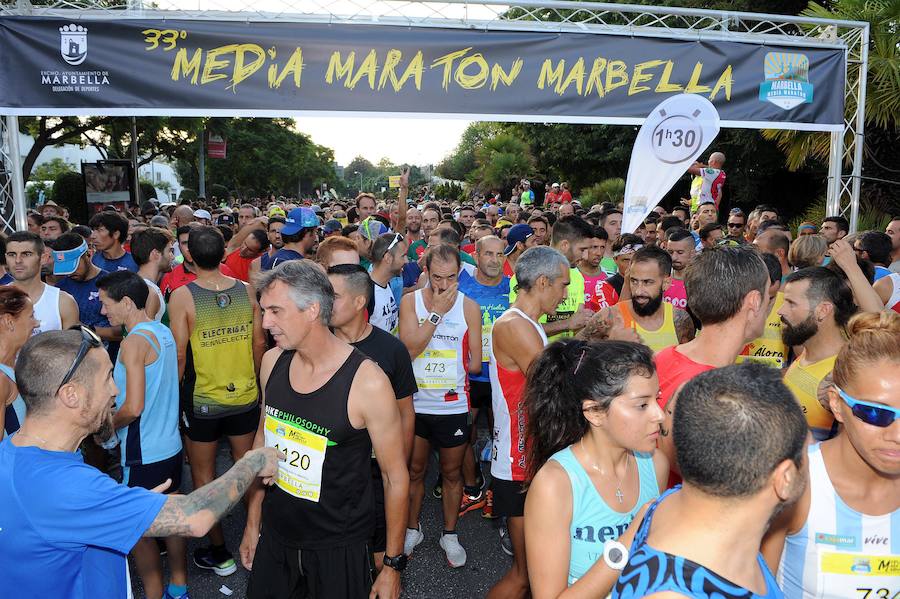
418, 141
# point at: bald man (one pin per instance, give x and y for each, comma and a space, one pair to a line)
708, 181
183, 216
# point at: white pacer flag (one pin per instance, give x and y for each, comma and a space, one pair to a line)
670, 140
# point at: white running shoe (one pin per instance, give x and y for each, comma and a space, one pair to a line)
414, 536
456, 555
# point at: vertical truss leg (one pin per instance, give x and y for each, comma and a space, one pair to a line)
12, 190
858, 123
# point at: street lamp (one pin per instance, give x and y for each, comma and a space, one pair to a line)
360, 180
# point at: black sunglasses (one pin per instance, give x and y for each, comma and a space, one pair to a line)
89, 340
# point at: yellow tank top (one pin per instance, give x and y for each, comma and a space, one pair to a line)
663, 337
803, 381
768, 349
221, 352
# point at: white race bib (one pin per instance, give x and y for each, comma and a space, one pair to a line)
856, 576
486, 342
436, 369
300, 474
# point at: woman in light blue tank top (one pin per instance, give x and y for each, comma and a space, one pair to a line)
593, 422
16, 325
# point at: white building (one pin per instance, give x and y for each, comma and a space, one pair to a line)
160, 173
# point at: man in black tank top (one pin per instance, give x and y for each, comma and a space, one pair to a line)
325, 406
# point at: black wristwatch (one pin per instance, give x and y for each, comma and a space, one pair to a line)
397, 563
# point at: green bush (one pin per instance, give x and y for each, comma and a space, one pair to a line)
217, 190
68, 191
188, 194
608, 190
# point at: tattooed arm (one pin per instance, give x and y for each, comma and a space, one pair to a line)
193, 515
684, 326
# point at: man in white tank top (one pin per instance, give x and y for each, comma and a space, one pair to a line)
54, 309
842, 538
441, 328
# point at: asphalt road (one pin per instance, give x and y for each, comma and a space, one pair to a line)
427, 576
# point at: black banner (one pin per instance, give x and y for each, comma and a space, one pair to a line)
183, 67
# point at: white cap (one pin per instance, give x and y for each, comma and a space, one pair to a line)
202, 214
555, 185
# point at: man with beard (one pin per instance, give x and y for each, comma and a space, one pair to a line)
757, 469
817, 306
682, 249
152, 250
658, 323
82, 530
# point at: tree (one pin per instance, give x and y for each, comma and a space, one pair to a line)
48, 171
461, 161
500, 162
608, 190
54, 131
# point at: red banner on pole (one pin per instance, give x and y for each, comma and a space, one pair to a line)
216, 146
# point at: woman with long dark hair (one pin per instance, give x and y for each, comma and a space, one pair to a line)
593, 423
16, 325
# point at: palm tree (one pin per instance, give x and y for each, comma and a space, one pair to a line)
882, 108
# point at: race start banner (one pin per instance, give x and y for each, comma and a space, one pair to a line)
672, 137
173, 67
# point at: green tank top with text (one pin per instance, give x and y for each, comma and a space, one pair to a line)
221, 352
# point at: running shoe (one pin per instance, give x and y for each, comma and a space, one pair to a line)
456, 555
168, 595
488, 510
471, 502
414, 536
438, 490
505, 541
222, 565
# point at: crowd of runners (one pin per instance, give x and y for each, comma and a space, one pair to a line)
705, 407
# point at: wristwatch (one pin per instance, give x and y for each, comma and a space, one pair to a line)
398, 563
435, 318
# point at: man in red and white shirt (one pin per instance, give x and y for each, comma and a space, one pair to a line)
517, 338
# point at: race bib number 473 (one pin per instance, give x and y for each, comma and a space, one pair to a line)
300, 474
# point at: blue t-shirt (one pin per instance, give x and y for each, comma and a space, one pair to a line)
87, 296
66, 526
123, 262
282, 255
493, 301
6, 279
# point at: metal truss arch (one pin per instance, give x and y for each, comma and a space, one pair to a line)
845, 160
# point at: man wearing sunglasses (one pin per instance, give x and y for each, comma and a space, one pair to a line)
388, 260
67, 526
842, 538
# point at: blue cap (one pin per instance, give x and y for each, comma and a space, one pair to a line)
371, 228
66, 261
298, 219
332, 226
517, 233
